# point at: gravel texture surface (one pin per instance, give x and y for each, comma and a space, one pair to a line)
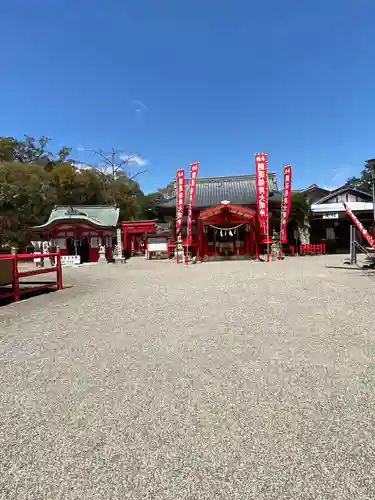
229, 380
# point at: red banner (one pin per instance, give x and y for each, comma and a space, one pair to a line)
359, 225
286, 203
180, 203
261, 176
192, 188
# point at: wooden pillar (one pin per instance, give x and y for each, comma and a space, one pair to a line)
247, 240
252, 239
205, 244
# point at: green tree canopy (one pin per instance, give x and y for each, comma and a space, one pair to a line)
364, 181
31, 150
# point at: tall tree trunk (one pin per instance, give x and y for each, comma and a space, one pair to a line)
304, 231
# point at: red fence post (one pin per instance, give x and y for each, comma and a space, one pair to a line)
16, 281
59, 280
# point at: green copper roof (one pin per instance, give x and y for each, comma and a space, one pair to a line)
98, 215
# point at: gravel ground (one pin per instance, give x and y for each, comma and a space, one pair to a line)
230, 380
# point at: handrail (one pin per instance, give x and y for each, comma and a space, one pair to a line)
16, 291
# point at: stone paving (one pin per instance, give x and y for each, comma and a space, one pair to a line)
228, 380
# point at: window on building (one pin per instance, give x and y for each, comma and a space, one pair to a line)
347, 197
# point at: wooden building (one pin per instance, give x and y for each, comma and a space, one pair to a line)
329, 221
79, 230
224, 216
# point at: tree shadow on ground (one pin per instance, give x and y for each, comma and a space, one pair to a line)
25, 294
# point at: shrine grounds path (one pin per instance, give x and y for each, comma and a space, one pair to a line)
230, 380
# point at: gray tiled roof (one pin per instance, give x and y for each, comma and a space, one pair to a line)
211, 191
99, 215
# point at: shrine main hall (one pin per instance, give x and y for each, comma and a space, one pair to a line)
224, 216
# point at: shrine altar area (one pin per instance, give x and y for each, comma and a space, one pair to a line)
226, 230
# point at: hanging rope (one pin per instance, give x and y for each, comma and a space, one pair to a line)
226, 228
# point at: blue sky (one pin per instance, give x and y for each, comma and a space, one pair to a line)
214, 81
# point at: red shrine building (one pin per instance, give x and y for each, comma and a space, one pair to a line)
225, 224
79, 230
224, 216
82, 230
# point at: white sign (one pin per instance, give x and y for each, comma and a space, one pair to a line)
157, 246
331, 216
70, 260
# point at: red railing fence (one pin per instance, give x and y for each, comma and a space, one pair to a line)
17, 289
319, 249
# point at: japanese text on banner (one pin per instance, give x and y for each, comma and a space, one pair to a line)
286, 203
192, 189
261, 174
180, 188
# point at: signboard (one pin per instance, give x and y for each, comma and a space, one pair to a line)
192, 189
261, 176
180, 205
331, 216
157, 245
70, 260
286, 203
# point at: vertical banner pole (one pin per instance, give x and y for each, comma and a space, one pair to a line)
286, 204
192, 188
261, 178
180, 206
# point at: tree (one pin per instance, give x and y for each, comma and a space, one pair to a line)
125, 194
33, 180
26, 196
31, 150
364, 181
301, 208
114, 163
8, 147
148, 206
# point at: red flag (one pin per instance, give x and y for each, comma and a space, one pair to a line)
261, 179
192, 188
180, 205
286, 203
359, 225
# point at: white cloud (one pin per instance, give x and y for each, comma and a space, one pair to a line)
134, 160
139, 105
81, 165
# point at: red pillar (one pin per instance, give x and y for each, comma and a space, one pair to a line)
125, 240
257, 241
59, 278
198, 239
16, 280
252, 239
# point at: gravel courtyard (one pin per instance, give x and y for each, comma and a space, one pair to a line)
229, 380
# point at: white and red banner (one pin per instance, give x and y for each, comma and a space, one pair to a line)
180, 203
286, 203
359, 225
192, 188
261, 179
